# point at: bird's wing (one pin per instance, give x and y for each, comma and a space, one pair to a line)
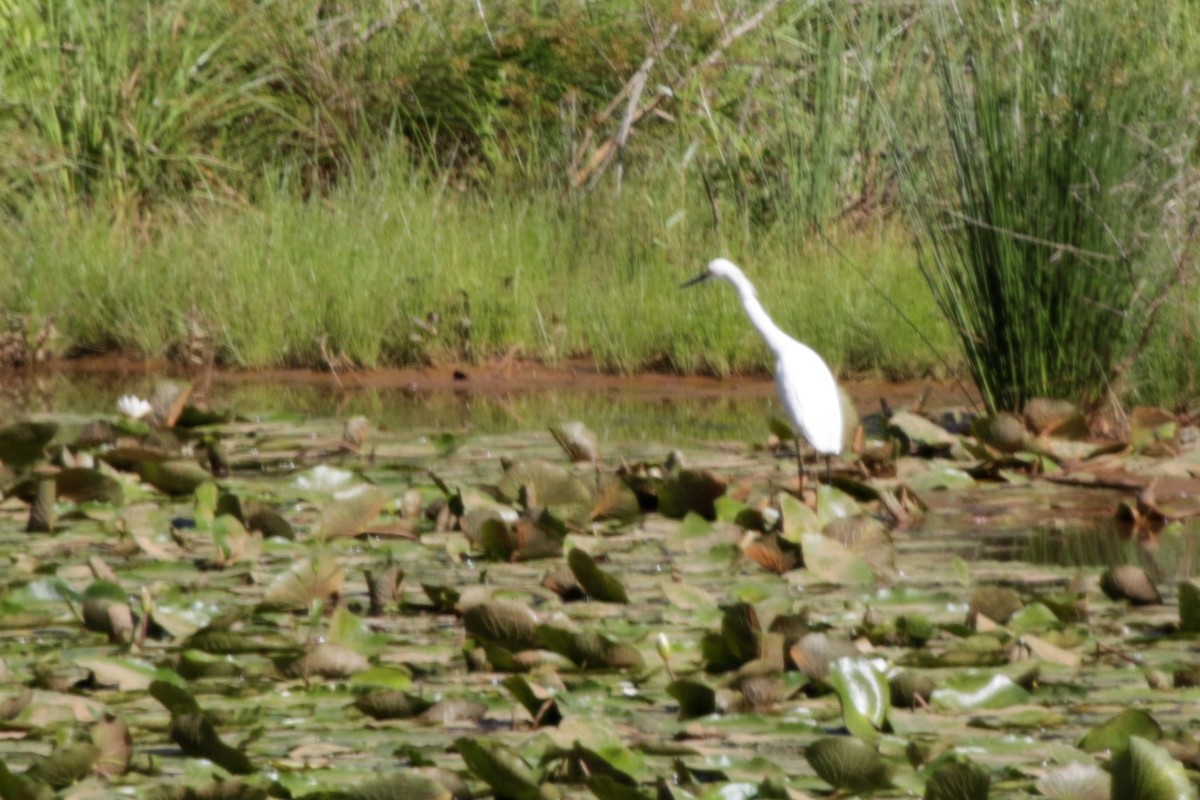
810, 396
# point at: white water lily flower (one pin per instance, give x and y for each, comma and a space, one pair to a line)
324, 479
133, 406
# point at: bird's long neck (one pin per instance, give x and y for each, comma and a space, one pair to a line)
758, 316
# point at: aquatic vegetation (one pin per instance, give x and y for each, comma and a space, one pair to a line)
520, 615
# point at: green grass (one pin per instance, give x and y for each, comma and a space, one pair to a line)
1043, 221
595, 277
407, 185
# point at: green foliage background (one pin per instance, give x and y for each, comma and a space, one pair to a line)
394, 183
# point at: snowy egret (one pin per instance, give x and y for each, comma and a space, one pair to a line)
806, 386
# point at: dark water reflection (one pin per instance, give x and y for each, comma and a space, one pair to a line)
1172, 554
615, 414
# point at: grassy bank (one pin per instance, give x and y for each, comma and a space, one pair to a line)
379, 183
386, 271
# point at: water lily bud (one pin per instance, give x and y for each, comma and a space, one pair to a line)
663, 646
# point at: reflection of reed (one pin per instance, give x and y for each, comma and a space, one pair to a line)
1169, 556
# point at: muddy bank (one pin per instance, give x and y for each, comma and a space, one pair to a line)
500, 378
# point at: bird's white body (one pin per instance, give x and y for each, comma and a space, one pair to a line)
806, 386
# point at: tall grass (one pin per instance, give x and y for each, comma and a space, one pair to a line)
389, 269
396, 183
1062, 121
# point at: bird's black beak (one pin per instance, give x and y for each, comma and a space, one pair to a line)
701, 278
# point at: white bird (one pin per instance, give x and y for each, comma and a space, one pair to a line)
806, 387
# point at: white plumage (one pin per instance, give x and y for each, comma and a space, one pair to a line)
806, 387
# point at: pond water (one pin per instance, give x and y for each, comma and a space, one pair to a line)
512, 675
639, 417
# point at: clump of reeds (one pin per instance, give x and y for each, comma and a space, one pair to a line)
1036, 216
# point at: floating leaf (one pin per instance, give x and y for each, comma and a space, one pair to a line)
967, 691
553, 485
1145, 771
114, 746
173, 477
597, 583
589, 649
65, 765
921, 435
1127, 582
1189, 606
830, 561
126, 674
1075, 781
866, 699
959, 779
350, 510
614, 500
847, 764
579, 443
106, 610
690, 490
539, 703
407, 785
1114, 733
695, 699
23, 443
508, 623
997, 603
325, 660
815, 653
391, 705
500, 767
305, 582
797, 518
196, 736
20, 787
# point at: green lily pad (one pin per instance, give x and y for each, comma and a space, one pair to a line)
829, 560
847, 764
65, 765
596, 583
1145, 771
499, 766
690, 490
959, 779
508, 623
968, 691
696, 699
863, 691
1189, 606
1114, 733
24, 443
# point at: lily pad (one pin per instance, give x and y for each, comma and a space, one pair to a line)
508, 623
1114, 733
24, 443
579, 443
863, 691
829, 560
598, 584
499, 766
690, 490
958, 779
847, 764
1145, 771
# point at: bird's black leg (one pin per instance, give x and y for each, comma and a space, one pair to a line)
800, 465
829, 469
